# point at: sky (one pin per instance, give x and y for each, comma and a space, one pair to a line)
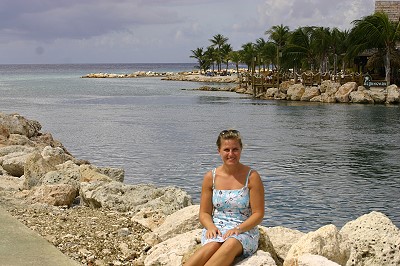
152, 31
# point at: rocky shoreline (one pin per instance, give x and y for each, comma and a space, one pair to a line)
93, 217
327, 92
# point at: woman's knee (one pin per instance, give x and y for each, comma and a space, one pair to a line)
211, 248
232, 245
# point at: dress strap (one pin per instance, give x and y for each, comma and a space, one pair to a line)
247, 178
213, 176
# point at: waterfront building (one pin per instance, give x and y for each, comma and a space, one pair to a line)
391, 8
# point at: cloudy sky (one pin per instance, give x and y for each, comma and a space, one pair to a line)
151, 31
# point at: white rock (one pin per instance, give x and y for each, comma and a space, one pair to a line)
260, 258
171, 251
295, 92
313, 260
182, 221
393, 94
326, 241
55, 195
282, 238
342, 95
374, 240
17, 124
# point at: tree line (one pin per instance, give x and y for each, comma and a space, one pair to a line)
311, 48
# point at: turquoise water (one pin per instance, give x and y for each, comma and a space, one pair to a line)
320, 163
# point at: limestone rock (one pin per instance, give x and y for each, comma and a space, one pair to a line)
284, 86
393, 95
4, 134
16, 139
360, 97
15, 149
342, 95
65, 173
326, 242
271, 92
55, 195
266, 245
260, 258
295, 92
118, 196
9, 183
46, 139
312, 260
329, 87
310, 92
172, 251
377, 94
179, 222
15, 165
280, 96
116, 174
38, 164
282, 238
14, 158
374, 240
17, 124
90, 173
55, 155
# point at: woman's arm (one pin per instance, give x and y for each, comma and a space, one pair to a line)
206, 207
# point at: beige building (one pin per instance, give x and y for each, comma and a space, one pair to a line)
392, 8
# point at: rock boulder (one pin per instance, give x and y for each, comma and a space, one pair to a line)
374, 240
326, 242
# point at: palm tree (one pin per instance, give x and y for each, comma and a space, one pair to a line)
225, 50
322, 39
217, 42
234, 56
302, 47
212, 56
198, 54
376, 32
279, 35
266, 51
248, 53
202, 58
338, 46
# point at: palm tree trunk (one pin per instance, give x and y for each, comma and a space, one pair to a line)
387, 66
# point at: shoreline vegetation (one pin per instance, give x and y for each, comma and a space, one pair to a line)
309, 87
89, 214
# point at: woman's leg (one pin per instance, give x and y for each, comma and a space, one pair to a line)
227, 253
203, 254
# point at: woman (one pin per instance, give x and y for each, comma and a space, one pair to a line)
231, 207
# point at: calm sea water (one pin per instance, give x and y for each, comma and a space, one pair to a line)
320, 163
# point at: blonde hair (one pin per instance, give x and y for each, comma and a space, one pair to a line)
229, 134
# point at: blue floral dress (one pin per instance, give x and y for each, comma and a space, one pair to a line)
231, 208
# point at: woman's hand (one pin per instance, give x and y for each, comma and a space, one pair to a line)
213, 233
234, 231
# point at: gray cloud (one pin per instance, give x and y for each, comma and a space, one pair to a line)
49, 20
327, 13
152, 30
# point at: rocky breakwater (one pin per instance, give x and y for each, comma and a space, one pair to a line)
202, 78
137, 74
332, 92
85, 211
91, 216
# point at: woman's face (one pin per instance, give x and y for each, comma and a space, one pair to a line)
230, 151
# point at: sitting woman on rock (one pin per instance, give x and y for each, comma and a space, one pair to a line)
231, 207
